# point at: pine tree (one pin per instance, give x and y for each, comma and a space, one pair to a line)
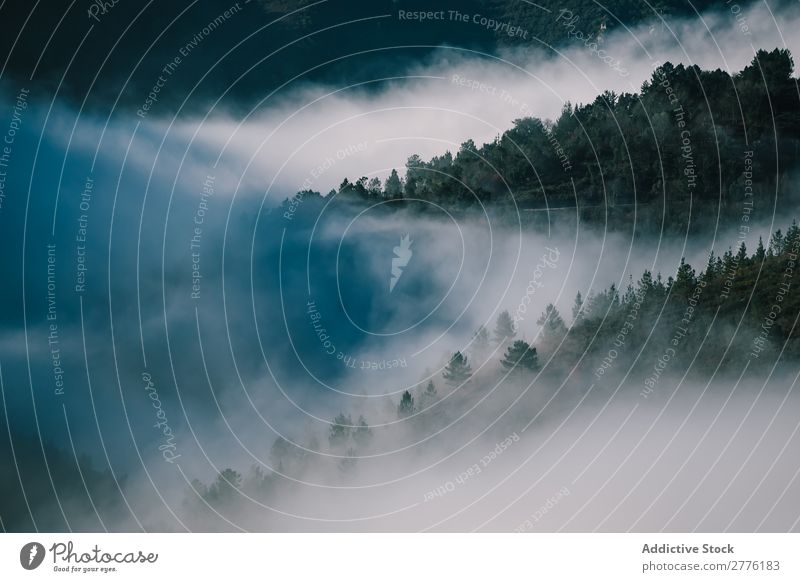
374, 187
393, 188
741, 256
458, 370
505, 329
406, 406
553, 328
577, 309
760, 252
480, 341
340, 429
711, 268
521, 357
363, 433
430, 390
684, 279
776, 243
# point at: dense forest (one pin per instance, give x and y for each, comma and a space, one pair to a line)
691, 147
740, 311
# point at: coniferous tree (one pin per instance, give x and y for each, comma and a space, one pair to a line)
363, 433
504, 329
553, 328
577, 309
406, 406
340, 429
394, 186
760, 252
521, 357
480, 341
458, 370
430, 390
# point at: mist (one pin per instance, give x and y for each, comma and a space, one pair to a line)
249, 321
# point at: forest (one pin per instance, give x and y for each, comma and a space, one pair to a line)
692, 148
738, 314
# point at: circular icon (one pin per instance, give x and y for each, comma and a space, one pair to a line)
31, 555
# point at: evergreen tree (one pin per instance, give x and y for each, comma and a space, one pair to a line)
760, 252
394, 186
340, 430
363, 433
458, 370
521, 357
406, 406
577, 309
504, 329
776, 243
480, 341
347, 464
374, 187
553, 328
430, 390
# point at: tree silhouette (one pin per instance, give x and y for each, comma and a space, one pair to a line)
340, 430
394, 186
480, 341
521, 357
458, 370
577, 308
363, 433
406, 406
504, 329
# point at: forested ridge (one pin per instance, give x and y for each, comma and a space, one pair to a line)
691, 147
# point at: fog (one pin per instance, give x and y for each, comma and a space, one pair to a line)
235, 361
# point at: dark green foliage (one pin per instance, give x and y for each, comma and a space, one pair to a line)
406, 406
458, 370
630, 148
736, 293
504, 329
430, 390
340, 430
521, 357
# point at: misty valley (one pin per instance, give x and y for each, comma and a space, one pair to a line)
529, 268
